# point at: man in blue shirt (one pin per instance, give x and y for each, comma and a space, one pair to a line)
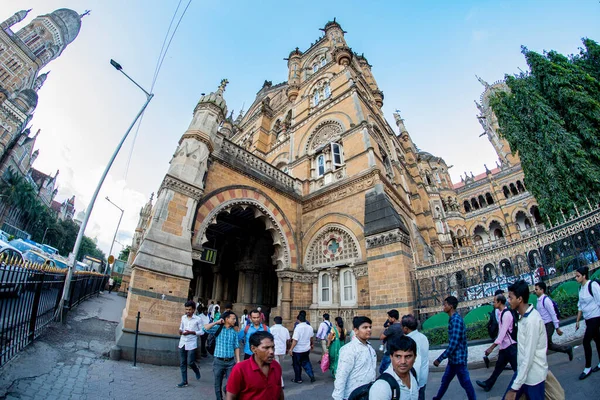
255, 326
456, 353
227, 349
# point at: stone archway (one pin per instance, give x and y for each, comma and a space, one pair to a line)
254, 244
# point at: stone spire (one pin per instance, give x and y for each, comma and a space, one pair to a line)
400, 122
40, 80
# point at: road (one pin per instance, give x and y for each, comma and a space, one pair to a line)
68, 362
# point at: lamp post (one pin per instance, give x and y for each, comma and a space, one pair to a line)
114, 237
62, 309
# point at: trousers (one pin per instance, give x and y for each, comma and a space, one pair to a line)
505, 356
464, 379
187, 358
299, 361
221, 371
592, 332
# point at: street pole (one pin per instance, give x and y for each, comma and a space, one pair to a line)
62, 309
108, 269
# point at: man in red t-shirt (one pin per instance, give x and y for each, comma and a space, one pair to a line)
257, 378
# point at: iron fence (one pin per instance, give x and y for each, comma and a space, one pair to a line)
551, 256
29, 297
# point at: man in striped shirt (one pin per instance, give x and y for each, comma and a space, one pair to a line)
456, 353
227, 349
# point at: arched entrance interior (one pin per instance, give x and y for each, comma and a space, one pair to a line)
244, 269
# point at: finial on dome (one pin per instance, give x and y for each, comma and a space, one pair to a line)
222, 86
152, 196
86, 13
484, 83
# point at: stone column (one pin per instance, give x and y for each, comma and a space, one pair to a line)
255, 289
335, 288
240, 290
248, 289
219, 286
315, 292
162, 268
286, 299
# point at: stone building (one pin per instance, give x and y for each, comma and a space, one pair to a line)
310, 201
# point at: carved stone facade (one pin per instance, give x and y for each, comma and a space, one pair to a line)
309, 200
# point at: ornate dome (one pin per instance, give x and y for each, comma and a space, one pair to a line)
29, 98
216, 97
69, 23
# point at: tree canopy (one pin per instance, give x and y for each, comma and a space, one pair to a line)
551, 117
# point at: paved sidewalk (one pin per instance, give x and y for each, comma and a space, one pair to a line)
68, 363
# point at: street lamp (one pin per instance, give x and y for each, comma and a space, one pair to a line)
66, 292
115, 237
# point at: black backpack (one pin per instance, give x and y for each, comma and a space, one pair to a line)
515, 328
590, 288
492, 325
362, 392
211, 341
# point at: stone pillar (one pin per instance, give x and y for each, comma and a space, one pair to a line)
248, 289
219, 286
335, 288
286, 297
240, 290
162, 268
315, 292
255, 289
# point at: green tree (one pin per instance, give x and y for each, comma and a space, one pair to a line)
551, 117
124, 254
15, 192
88, 248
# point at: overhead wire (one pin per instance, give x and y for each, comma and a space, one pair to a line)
159, 62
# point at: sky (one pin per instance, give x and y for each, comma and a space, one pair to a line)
425, 56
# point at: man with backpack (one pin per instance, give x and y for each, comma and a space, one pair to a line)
323, 332
255, 326
394, 329
507, 333
226, 350
398, 381
548, 309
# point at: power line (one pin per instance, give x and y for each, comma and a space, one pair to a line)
159, 62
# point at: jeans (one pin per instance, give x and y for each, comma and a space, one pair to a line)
385, 363
553, 346
535, 392
221, 370
592, 331
187, 358
464, 379
299, 361
505, 356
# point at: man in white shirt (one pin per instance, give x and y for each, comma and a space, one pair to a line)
357, 361
282, 339
529, 380
403, 353
204, 320
323, 332
210, 309
189, 329
421, 364
545, 307
302, 344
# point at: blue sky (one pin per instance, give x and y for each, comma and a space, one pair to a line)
425, 56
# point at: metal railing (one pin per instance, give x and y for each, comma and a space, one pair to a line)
550, 255
29, 297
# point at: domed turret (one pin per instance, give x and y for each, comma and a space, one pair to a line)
39, 81
26, 100
215, 98
69, 23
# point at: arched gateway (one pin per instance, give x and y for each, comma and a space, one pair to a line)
251, 237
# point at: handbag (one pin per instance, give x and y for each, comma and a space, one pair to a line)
325, 362
552, 388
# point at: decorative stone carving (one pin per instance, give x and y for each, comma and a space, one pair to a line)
181, 187
282, 248
385, 238
296, 276
334, 245
363, 270
324, 134
362, 183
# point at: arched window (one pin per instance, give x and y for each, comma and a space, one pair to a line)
513, 189
325, 288
323, 61
520, 187
315, 67
535, 212
474, 204
336, 151
348, 287
481, 201
321, 165
467, 206
327, 90
506, 191
489, 199
315, 98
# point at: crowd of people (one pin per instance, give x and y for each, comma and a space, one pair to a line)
524, 335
